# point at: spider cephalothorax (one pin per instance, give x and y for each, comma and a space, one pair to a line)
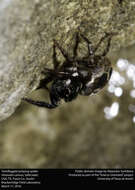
84, 76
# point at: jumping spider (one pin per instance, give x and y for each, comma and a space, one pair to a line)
84, 76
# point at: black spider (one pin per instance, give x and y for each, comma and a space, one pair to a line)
84, 76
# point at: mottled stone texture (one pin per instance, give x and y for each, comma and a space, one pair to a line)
28, 27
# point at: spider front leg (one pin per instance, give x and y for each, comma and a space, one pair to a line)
76, 45
61, 50
89, 45
107, 47
43, 83
40, 103
109, 36
101, 40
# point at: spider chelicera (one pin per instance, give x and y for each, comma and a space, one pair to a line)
84, 76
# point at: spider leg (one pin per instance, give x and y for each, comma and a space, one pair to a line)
40, 103
55, 60
76, 45
109, 36
62, 50
89, 45
43, 83
101, 40
107, 47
